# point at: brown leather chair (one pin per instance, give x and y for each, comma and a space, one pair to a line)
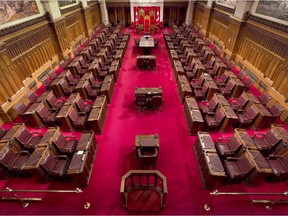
279, 166
78, 119
2, 132
151, 63
147, 157
214, 120
54, 102
52, 74
156, 102
248, 83
20, 108
46, 81
48, 116
246, 117
83, 106
226, 90
266, 142
228, 147
65, 145
200, 92
31, 96
92, 93
210, 106
239, 103
66, 88
140, 62
141, 102
13, 161
264, 98
241, 74
54, 165
29, 140
237, 168
276, 110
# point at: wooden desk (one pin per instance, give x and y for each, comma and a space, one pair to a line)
263, 117
230, 118
194, 120
148, 91
146, 42
83, 159
211, 169
184, 89
107, 87
245, 139
204, 143
146, 61
238, 88
146, 141
63, 118
33, 164
32, 116
212, 89
261, 169
49, 136
12, 133
56, 88
96, 119
173, 55
81, 89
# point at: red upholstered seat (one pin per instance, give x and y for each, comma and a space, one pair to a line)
214, 120
228, 147
238, 168
55, 165
265, 98
265, 142
78, 119
12, 160
65, 145
31, 96
209, 106
28, 140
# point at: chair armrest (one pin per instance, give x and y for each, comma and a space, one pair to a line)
62, 157
70, 137
211, 113
23, 152
36, 134
232, 159
53, 110
274, 156
222, 139
260, 135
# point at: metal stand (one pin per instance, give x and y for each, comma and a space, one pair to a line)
26, 201
269, 203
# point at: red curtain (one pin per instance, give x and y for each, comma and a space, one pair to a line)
140, 19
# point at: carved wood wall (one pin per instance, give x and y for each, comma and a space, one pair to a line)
28, 50
259, 48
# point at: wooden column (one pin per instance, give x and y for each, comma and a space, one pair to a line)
10, 83
61, 37
86, 20
233, 43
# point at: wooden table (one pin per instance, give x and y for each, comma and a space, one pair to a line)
146, 141
147, 43
230, 118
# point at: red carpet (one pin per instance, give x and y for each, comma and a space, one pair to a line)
116, 156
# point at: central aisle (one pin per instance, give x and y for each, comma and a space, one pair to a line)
116, 145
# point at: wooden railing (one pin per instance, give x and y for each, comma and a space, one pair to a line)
143, 179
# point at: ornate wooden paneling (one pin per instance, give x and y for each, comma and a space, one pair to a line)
267, 51
219, 25
95, 15
10, 82
201, 16
74, 26
61, 36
